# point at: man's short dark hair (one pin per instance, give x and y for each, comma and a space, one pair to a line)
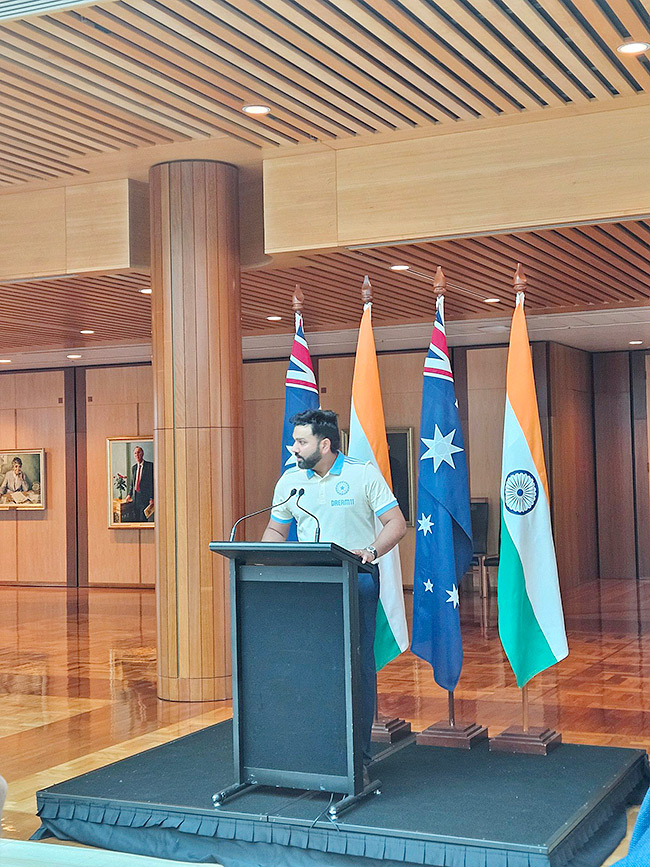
17, 461
324, 423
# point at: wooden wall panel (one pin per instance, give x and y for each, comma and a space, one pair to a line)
119, 402
308, 215
8, 441
263, 414
89, 227
614, 465
41, 536
638, 362
37, 216
33, 416
486, 396
435, 187
573, 465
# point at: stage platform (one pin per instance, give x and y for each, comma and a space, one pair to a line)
445, 807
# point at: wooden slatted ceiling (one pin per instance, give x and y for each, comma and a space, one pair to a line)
51, 313
124, 74
571, 269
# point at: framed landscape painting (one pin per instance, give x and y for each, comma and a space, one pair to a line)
22, 479
130, 482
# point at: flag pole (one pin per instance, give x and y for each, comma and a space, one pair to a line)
439, 289
533, 740
449, 733
385, 729
524, 707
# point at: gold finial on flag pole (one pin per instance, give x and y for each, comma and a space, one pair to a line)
520, 283
439, 282
298, 299
366, 291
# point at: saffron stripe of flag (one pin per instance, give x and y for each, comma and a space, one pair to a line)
368, 443
531, 621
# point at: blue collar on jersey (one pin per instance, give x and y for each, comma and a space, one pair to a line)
335, 469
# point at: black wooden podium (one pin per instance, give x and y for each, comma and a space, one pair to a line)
296, 668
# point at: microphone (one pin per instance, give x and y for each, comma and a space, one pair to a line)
259, 512
311, 515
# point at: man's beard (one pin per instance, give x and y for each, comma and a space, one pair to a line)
309, 462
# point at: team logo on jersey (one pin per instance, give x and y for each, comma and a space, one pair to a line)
342, 488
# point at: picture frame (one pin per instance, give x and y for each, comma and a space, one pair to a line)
129, 484
22, 479
402, 470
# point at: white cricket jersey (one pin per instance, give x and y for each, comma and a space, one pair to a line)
345, 500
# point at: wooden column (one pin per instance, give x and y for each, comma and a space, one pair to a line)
198, 414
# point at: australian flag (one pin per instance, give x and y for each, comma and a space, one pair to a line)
443, 549
300, 393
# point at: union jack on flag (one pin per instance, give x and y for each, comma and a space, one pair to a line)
300, 393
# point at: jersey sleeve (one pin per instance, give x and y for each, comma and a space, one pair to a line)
380, 497
281, 514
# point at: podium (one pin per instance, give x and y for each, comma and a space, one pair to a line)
296, 668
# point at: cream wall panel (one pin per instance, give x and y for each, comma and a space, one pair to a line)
32, 234
300, 202
121, 405
486, 397
547, 172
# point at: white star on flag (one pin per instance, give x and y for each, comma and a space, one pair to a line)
453, 596
292, 457
425, 523
441, 448
428, 586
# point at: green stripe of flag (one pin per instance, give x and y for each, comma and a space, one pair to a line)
386, 647
526, 647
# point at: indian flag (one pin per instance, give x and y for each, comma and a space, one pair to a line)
531, 622
368, 443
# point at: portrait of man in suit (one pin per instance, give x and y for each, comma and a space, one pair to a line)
141, 487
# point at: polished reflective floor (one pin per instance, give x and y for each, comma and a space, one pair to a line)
78, 690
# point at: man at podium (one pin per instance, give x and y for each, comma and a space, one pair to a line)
341, 497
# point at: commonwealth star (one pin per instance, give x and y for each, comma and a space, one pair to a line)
441, 448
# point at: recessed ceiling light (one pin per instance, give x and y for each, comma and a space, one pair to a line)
256, 108
632, 46
74, 356
86, 331
274, 318
636, 342
5, 361
146, 291
491, 300
399, 267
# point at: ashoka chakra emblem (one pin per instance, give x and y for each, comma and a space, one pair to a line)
520, 492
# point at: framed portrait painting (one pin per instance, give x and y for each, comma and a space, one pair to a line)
130, 483
22, 479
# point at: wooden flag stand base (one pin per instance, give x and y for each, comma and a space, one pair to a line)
524, 739
389, 730
449, 733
